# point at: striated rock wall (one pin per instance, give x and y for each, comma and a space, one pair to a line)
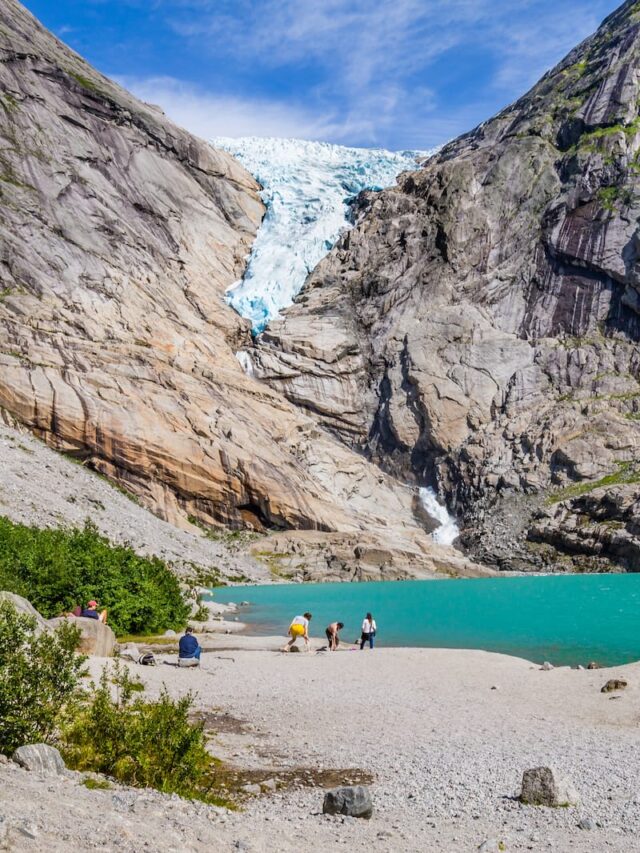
119, 233
479, 327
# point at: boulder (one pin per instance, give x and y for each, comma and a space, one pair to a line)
40, 758
129, 651
96, 638
544, 786
23, 606
614, 684
354, 801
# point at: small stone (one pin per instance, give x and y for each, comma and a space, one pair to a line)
546, 666
169, 633
268, 785
614, 684
586, 823
353, 801
544, 786
251, 789
593, 665
492, 845
40, 758
28, 830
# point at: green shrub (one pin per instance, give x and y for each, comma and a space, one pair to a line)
59, 569
140, 743
38, 678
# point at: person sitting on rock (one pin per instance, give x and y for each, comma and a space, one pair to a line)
332, 635
298, 628
91, 612
188, 647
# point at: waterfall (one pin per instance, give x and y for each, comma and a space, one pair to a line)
448, 529
245, 362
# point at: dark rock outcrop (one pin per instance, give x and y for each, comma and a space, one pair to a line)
478, 329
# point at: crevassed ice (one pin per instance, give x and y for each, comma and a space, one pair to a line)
448, 530
307, 187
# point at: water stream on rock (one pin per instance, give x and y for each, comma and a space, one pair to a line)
448, 531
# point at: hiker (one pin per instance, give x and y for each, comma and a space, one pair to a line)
188, 647
298, 628
91, 612
332, 635
368, 631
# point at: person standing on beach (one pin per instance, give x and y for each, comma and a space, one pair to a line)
299, 628
332, 635
368, 631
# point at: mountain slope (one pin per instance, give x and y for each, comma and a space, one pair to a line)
482, 319
119, 233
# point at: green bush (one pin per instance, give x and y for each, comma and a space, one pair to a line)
59, 569
140, 743
38, 678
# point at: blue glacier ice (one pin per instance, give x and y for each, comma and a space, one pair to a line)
307, 187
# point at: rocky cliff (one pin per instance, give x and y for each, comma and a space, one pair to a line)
479, 328
119, 233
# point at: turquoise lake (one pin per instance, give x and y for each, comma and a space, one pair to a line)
563, 619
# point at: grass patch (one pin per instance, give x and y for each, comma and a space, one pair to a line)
85, 82
233, 539
97, 784
608, 197
626, 473
59, 569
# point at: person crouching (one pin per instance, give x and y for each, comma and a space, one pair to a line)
299, 627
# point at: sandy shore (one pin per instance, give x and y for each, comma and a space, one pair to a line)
445, 734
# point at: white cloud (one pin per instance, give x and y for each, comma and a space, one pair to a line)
207, 114
368, 63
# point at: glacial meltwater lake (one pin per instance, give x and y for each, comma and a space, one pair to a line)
563, 619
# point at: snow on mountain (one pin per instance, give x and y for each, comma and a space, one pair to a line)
307, 187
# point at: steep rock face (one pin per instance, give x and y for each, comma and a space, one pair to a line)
119, 233
479, 327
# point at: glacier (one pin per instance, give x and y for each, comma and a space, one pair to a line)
307, 187
307, 190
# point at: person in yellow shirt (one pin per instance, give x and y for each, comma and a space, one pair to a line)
299, 628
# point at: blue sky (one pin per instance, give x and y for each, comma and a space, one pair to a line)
390, 73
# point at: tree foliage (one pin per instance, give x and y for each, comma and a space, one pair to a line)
39, 675
138, 742
62, 568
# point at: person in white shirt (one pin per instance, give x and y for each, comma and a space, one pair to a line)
368, 631
299, 628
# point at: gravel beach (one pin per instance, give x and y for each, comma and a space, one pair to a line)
445, 734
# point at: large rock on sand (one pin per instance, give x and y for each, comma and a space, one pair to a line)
96, 638
544, 786
23, 606
40, 758
354, 801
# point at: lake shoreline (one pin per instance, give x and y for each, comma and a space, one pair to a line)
566, 620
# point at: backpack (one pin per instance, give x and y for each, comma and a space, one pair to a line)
147, 659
